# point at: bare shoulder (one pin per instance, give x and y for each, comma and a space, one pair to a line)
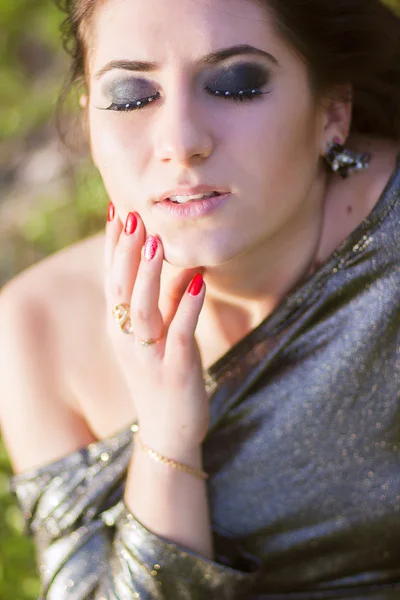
41, 326
62, 295
81, 259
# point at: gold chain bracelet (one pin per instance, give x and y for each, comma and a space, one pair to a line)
167, 461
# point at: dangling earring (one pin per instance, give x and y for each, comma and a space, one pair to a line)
344, 161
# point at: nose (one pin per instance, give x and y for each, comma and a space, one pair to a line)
181, 133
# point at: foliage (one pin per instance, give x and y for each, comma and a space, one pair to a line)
32, 67
27, 58
18, 577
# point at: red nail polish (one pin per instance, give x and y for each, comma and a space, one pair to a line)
196, 285
131, 224
111, 212
150, 248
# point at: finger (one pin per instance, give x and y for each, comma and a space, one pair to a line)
170, 301
180, 341
146, 317
113, 230
126, 259
112, 233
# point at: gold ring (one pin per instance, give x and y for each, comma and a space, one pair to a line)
149, 342
121, 314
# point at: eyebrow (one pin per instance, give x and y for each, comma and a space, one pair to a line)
209, 60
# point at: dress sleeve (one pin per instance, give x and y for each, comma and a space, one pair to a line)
90, 547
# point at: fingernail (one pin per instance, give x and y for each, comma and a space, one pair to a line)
131, 224
196, 285
111, 212
150, 248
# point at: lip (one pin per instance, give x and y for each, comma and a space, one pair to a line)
191, 191
194, 209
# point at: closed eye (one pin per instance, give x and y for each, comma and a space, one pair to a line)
240, 96
133, 104
239, 82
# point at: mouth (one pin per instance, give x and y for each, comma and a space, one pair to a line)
183, 195
182, 199
193, 205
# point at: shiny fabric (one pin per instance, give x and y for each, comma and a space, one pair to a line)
303, 454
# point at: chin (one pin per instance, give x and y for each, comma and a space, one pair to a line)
193, 258
182, 262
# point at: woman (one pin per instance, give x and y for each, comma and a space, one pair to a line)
253, 149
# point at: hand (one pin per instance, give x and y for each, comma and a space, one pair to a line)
165, 379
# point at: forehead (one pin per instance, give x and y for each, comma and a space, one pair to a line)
158, 30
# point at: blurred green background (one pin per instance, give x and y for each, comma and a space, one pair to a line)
49, 198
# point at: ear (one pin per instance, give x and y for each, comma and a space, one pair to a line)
337, 113
83, 101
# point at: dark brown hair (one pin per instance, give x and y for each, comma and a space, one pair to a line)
341, 41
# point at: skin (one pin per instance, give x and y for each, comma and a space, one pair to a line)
255, 248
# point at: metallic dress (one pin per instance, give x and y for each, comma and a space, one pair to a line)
303, 453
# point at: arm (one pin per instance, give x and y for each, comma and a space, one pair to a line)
169, 502
36, 418
40, 427
90, 543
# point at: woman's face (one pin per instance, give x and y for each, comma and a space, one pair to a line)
263, 147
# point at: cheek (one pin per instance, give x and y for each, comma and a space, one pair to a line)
279, 152
119, 152
276, 157
282, 133
116, 144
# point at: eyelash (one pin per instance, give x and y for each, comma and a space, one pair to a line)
241, 96
137, 105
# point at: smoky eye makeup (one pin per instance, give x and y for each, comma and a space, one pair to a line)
238, 81
126, 91
239, 77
